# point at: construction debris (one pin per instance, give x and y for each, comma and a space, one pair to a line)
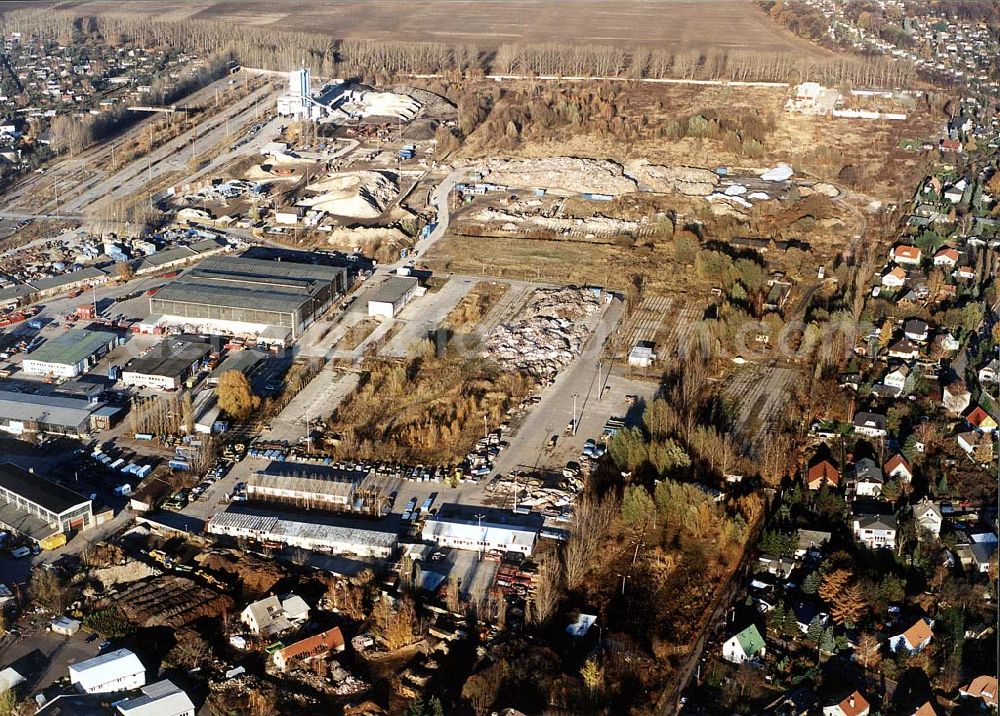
691, 181
569, 174
548, 335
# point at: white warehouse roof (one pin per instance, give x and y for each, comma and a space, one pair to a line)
104, 668
164, 698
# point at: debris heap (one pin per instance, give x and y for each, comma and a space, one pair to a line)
548, 334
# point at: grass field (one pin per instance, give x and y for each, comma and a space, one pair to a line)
667, 24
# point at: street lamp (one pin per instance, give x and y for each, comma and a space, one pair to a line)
575, 421
482, 535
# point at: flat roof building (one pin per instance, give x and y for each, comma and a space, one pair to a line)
118, 670
392, 295
164, 698
243, 296
245, 361
308, 486
70, 354
39, 508
26, 413
312, 533
483, 529
168, 364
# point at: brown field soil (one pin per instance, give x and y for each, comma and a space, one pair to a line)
817, 146
475, 305
667, 24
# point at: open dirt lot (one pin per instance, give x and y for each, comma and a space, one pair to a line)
670, 24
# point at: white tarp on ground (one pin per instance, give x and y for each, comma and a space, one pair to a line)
782, 172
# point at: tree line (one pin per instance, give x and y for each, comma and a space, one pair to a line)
272, 49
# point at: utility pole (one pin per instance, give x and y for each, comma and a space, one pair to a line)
480, 517
575, 421
600, 382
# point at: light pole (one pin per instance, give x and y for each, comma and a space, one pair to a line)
480, 517
575, 421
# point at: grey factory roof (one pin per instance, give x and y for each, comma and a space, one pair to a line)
243, 361
286, 526
314, 479
49, 495
48, 409
394, 289
89, 273
72, 347
171, 357
163, 697
15, 292
238, 282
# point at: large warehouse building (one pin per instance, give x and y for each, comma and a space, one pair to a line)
274, 300
70, 354
22, 413
482, 529
38, 508
310, 533
308, 486
168, 364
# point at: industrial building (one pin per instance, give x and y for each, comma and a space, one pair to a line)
391, 296
483, 529
168, 364
70, 354
39, 508
26, 413
164, 698
272, 300
118, 670
245, 361
308, 486
312, 533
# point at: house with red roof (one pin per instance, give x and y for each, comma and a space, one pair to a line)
853, 705
946, 256
312, 647
980, 420
822, 473
899, 467
906, 254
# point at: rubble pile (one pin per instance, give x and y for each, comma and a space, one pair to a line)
570, 174
597, 225
548, 334
531, 492
691, 181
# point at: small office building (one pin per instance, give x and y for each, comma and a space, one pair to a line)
392, 296
168, 364
483, 529
70, 354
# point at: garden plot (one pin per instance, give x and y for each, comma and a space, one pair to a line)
760, 393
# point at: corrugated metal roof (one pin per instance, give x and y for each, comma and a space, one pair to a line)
274, 527
72, 347
49, 409
104, 668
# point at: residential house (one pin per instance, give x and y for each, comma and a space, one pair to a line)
810, 541
982, 554
914, 639
905, 254
973, 441
118, 670
853, 705
895, 379
980, 420
805, 612
956, 398
745, 646
312, 647
875, 531
777, 565
822, 473
867, 479
948, 342
904, 349
983, 688
946, 256
927, 709
899, 467
966, 273
955, 192
894, 278
871, 424
271, 615
916, 330
928, 516
990, 373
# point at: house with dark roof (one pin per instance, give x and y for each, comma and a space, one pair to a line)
873, 425
875, 531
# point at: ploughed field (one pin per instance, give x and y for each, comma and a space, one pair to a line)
665, 24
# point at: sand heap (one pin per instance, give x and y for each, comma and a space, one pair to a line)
691, 181
369, 103
359, 195
569, 174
